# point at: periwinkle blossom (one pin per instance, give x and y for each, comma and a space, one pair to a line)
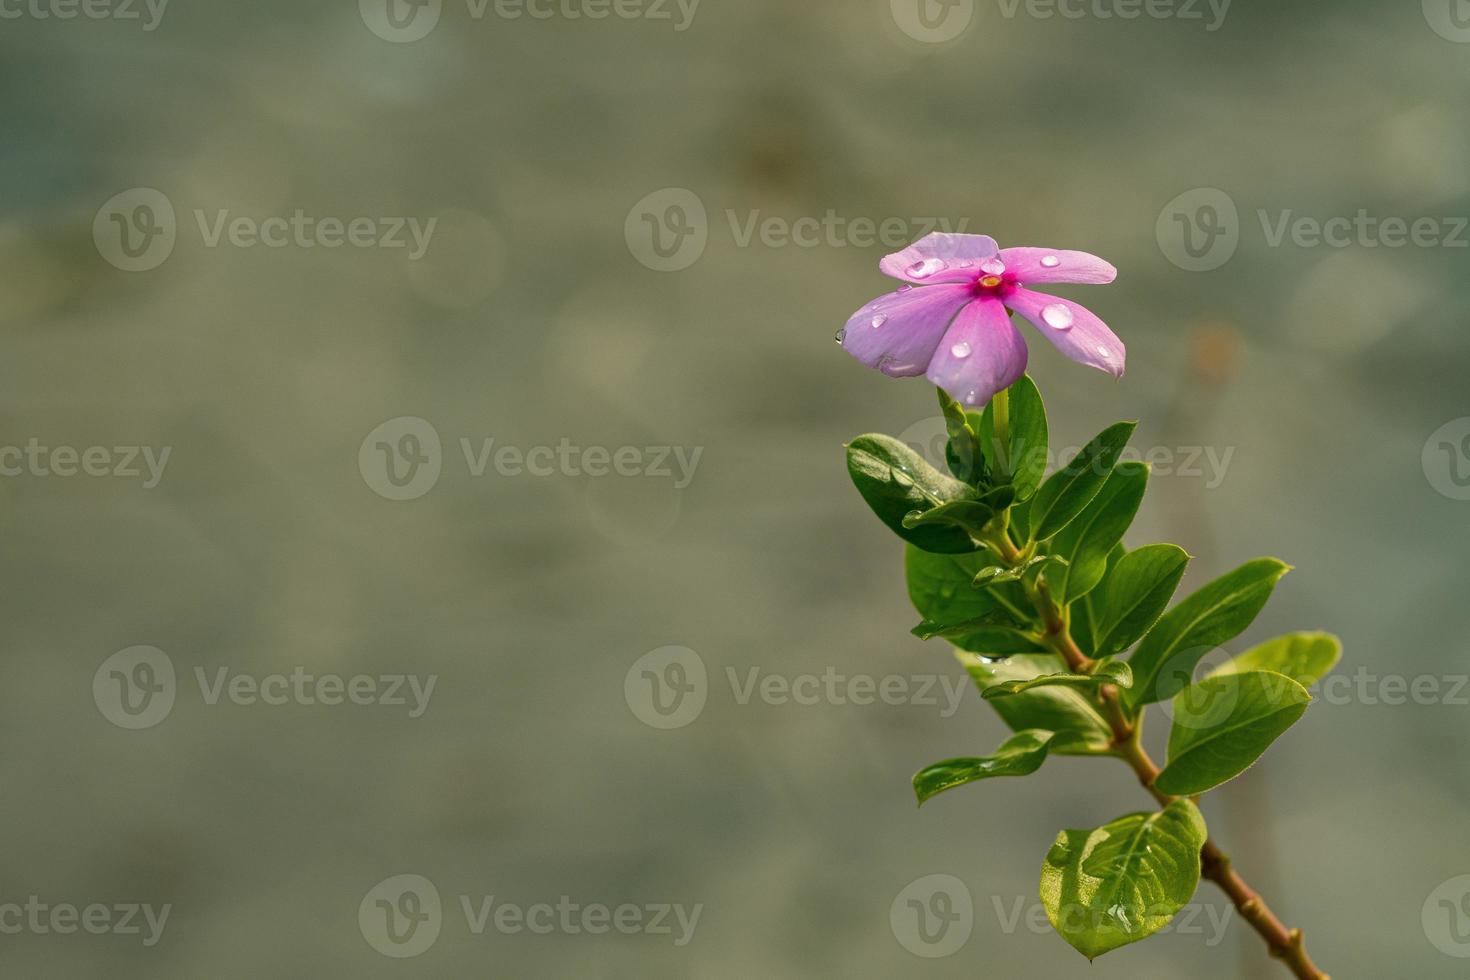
951, 321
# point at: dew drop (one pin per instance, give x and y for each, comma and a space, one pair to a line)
993, 266
905, 288
879, 320
962, 349
841, 335
1050, 261
1057, 316
926, 268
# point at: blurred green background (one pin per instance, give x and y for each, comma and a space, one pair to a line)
534, 317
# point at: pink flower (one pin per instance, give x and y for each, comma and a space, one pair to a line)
952, 322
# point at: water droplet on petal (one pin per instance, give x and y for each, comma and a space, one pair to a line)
962, 349
926, 268
1105, 352
972, 396
1057, 316
993, 266
879, 320
905, 287
841, 335
1050, 261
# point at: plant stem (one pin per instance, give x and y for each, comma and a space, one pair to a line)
1285, 944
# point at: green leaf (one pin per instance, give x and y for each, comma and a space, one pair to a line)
1124, 881
962, 452
1054, 709
1304, 657
1067, 491
1089, 539
1109, 672
1020, 520
986, 635
939, 587
1134, 592
1164, 662
997, 574
1223, 724
1026, 463
968, 515
895, 480
1020, 755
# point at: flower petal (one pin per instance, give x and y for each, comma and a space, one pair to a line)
1030, 265
1072, 329
940, 257
897, 333
981, 354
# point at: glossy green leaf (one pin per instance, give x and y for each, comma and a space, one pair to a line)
1223, 724
995, 575
1067, 492
1054, 709
1304, 657
1020, 755
1124, 881
1025, 463
987, 636
1164, 662
939, 587
895, 480
1113, 672
968, 515
1082, 614
1088, 540
1134, 593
